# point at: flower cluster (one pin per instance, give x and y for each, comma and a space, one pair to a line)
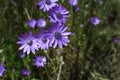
39, 23
51, 36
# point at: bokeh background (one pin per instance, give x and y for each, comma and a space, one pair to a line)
92, 54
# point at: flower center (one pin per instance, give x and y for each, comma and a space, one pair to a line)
48, 2
59, 15
44, 40
29, 42
57, 35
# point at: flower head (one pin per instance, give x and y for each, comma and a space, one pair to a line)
76, 8
41, 23
58, 14
2, 69
46, 5
73, 2
58, 35
95, 21
25, 72
28, 43
43, 40
40, 61
22, 55
31, 23
116, 40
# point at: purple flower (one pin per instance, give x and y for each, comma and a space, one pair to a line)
116, 40
40, 61
46, 5
58, 14
25, 72
76, 8
58, 35
41, 23
22, 55
2, 69
73, 2
95, 21
31, 23
43, 40
28, 43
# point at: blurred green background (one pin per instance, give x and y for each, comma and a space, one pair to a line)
91, 54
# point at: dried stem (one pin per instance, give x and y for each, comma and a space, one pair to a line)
60, 67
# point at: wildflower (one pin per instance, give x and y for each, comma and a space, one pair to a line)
58, 14
25, 72
58, 35
116, 40
28, 43
40, 61
41, 23
46, 5
73, 2
76, 8
2, 69
95, 21
43, 40
31, 23
22, 55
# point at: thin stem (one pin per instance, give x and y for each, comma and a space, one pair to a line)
60, 67
26, 11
